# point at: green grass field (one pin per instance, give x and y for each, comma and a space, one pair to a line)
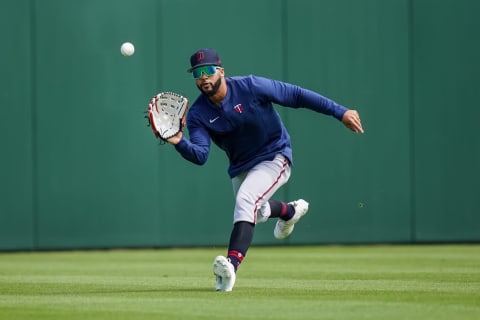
324, 282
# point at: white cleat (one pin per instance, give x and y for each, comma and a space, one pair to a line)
284, 228
218, 283
224, 273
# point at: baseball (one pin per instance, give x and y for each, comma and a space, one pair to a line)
127, 49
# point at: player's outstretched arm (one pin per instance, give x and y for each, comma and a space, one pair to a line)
351, 120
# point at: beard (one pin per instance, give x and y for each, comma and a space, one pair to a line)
214, 89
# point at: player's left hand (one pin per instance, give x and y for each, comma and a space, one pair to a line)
176, 138
351, 120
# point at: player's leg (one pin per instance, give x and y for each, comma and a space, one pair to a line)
280, 209
225, 268
256, 189
287, 213
252, 191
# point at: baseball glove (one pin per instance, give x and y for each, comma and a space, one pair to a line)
166, 114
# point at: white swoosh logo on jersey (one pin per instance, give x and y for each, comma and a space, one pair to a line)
214, 119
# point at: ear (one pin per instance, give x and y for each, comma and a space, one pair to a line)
222, 72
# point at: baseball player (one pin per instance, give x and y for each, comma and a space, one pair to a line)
237, 114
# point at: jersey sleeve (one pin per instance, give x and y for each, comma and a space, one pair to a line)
293, 96
197, 148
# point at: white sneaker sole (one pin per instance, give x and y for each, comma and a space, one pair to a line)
284, 228
224, 273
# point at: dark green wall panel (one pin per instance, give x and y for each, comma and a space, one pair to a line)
96, 171
355, 52
17, 212
446, 146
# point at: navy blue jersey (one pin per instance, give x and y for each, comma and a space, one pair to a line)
246, 126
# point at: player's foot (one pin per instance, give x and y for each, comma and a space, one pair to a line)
218, 283
284, 228
224, 274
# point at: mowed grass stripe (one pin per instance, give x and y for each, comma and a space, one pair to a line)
324, 282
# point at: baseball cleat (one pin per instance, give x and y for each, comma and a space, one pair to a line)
284, 228
218, 283
224, 274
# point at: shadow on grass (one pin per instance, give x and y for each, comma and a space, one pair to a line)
141, 291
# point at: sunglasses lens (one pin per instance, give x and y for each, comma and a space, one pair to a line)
208, 70
197, 73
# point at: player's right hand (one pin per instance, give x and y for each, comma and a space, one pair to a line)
351, 120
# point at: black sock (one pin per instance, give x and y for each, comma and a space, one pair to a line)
282, 210
240, 240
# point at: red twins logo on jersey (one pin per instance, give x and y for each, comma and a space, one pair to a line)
238, 108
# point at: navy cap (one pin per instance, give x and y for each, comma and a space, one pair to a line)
204, 57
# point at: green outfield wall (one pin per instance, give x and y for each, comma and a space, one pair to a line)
80, 169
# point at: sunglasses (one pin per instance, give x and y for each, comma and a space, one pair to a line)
208, 70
